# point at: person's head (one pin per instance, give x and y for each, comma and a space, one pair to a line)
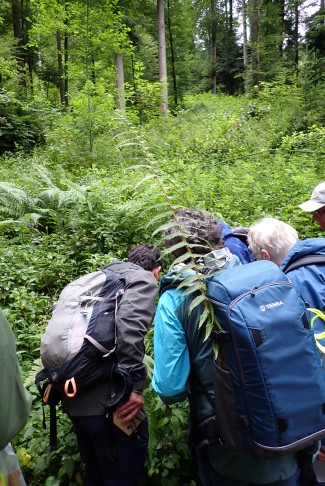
199, 228
316, 205
271, 239
148, 257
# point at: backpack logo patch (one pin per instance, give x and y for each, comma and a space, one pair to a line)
271, 305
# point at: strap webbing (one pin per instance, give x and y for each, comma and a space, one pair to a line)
53, 431
307, 260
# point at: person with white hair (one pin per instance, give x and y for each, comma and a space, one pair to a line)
272, 239
316, 205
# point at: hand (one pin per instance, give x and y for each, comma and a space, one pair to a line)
128, 410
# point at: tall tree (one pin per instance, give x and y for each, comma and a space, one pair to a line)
18, 35
315, 41
245, 41
213, 45
172, 51
254, 35
120, 100
162, 60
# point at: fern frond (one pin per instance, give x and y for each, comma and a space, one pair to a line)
195, 302
193, 288
44, 174
29, 376
187, 281
15, 201
148, 177
166, 226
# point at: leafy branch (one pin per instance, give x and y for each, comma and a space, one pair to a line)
166, 213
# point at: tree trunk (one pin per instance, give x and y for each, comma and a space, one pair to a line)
282, 17
296, 36
255, 28
66, 57
65, 67
17, 29
231, 18
120, 99
245, 58
60, 67
162, 61
213, 47
172, 56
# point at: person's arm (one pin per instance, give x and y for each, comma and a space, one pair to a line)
133, 319
172, 364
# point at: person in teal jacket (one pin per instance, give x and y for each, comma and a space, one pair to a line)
184, 358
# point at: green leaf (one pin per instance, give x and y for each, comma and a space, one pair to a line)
205, 316
197, 301
192, 289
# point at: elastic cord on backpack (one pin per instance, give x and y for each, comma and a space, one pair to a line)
70, 385
321, 335
47, 392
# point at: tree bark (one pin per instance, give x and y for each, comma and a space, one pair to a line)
65, 67
60, 67
17, 29
172, 55
296, 36
245, 57
213, 38
162, 61
255, 28
66, 57
120, 99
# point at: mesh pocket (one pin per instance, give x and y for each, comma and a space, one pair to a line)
229, 422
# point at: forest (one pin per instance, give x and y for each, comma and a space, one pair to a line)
115, 113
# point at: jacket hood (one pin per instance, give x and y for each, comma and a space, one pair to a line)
212, 262
173, 278
226, 230
303, 248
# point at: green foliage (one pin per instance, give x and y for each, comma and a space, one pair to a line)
40, 465
20, 124
168, 439
168, 436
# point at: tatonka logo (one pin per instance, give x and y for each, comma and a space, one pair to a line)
271, 305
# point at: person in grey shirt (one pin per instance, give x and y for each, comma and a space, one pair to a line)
112, 457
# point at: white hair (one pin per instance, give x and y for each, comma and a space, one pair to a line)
272, 235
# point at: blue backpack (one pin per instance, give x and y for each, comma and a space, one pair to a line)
268, 376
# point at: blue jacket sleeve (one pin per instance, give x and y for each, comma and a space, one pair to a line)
235, 245
172, 363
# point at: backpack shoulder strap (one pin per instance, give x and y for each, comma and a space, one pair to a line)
307, 260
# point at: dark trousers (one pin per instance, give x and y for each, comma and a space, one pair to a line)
111, 457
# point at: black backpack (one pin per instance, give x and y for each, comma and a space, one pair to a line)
79, 343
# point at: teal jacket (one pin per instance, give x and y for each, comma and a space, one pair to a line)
183, 363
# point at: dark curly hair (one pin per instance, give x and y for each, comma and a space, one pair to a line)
146, 256
198, 227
